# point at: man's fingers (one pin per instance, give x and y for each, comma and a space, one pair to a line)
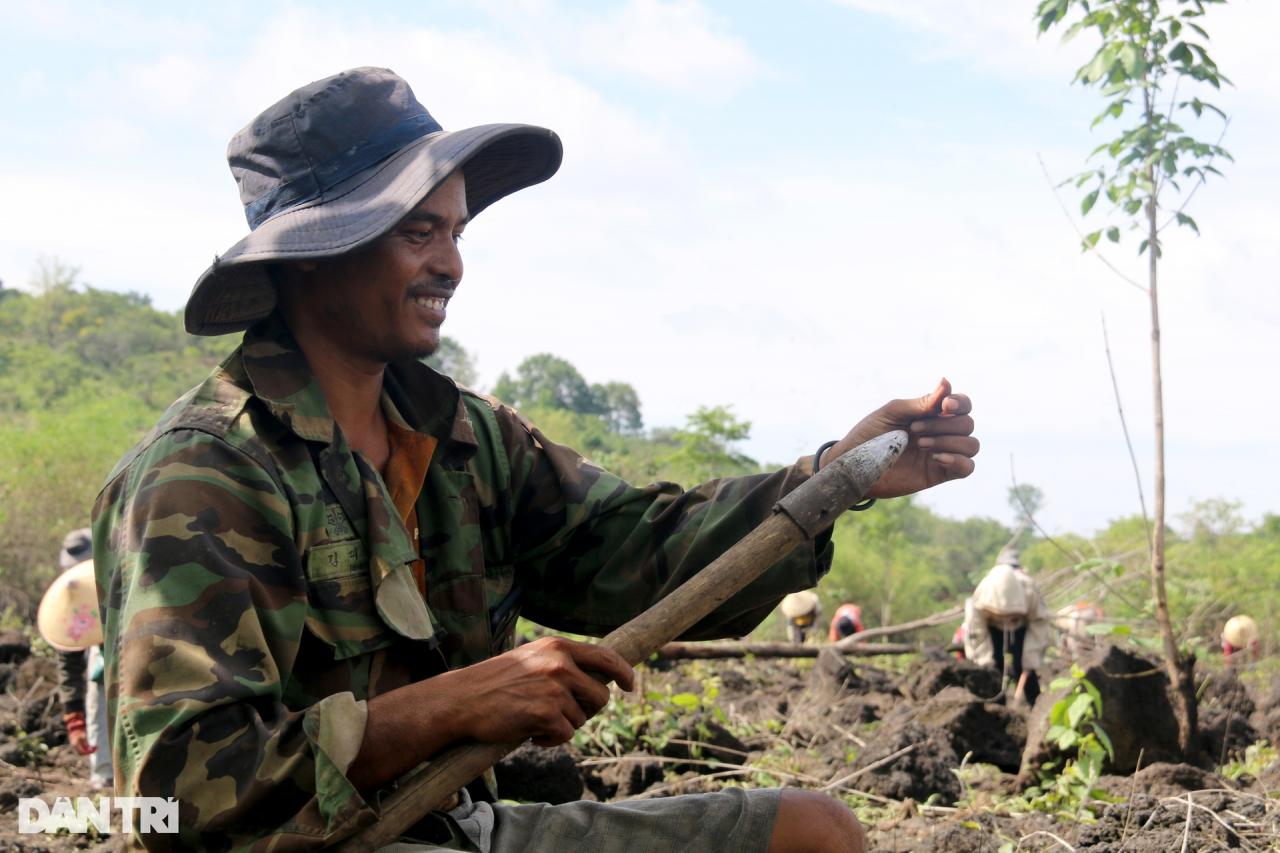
605, 661
956, 404
573, 711
958, 425
588, 690
953, 465
559, 733
931, 403
965, 445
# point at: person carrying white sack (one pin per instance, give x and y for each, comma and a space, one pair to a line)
1007, 613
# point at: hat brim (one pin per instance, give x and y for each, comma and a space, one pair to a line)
68, 616
235, 292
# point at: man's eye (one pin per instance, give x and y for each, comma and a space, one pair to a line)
457, 238
418, 234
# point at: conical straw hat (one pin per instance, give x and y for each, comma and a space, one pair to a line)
68, 617
799, 604
1240, 632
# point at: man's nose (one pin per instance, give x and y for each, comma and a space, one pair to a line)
446, 263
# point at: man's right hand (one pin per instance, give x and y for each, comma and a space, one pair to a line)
544, 690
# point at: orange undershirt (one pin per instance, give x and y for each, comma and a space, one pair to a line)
404, 473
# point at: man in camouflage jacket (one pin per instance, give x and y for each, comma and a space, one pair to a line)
310, 570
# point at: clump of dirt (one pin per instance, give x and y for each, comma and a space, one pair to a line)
836, 672
1200, 820
760, 692
1266, 719
1163, 779
921, 764
837, 698
14, 647
987, 732
1224, 734
14, 788
932, 676
536, 775
962, 839
30, 711
1136, 713
1225, 690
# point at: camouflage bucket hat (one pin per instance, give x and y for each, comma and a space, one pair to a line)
334, 166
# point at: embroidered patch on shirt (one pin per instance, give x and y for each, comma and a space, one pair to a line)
336, 559
336, 525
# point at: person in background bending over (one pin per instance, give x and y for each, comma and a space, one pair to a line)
846, 622
1238, 635
1074, 621
1007, 613
803, 610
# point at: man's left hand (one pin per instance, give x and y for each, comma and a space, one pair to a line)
941, 445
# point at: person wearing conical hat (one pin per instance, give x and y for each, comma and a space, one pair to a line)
802, 611
1006, 613
312, 568
68, 619
1240, 634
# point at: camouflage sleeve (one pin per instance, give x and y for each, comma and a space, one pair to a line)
71, 680
592, 551
205, 601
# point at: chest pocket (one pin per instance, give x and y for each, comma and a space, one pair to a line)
340, 604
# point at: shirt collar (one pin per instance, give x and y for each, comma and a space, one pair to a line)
277, 369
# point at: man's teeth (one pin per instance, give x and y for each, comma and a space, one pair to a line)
435, 303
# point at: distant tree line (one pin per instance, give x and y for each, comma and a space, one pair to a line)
85, 372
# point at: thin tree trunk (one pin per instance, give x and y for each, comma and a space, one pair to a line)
1181, 683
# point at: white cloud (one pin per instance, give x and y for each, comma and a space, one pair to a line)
674, 43
998, 36
32, 83
678, 45
171, 85
90, 25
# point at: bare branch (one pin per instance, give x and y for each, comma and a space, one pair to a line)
1054, 189
875, 765
1076, 557
1124, 426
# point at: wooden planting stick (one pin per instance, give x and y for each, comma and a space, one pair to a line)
800, 516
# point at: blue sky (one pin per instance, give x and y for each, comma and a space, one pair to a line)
799, 210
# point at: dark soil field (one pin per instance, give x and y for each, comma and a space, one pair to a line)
915, 744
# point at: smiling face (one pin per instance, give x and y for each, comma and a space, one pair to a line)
386, 303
